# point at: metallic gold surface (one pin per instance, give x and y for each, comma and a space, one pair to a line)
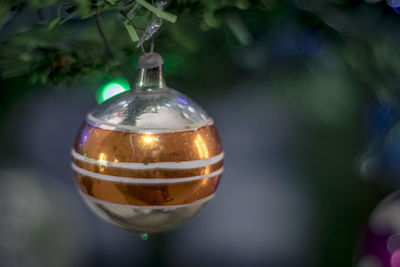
151, 173
128, 147
147, 195
119, 146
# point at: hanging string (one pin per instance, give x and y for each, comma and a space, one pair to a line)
152, 46
156, 8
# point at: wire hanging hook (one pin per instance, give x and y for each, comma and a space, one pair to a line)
151, 48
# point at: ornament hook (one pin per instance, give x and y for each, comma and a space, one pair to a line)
151, 48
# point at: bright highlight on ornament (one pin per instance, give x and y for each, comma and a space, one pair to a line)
102, 157
112, 89
148, 139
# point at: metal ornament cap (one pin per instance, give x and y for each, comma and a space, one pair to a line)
150, 61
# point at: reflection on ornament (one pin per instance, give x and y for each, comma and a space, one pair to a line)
148, 159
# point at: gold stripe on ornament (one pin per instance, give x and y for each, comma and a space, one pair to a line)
164, 207
118, 146
147, 194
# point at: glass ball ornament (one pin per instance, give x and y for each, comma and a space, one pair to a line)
148, 159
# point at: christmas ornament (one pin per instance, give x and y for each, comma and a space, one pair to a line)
150, 158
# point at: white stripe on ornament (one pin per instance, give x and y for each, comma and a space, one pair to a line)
106, 125
104, 202
183, 165
132, 180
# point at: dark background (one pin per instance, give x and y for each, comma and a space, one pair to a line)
307, 108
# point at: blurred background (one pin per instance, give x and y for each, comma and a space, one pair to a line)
305, 95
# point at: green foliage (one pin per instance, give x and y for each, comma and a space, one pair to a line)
84, 6
57, 51
158, 12
131, 31
54, 23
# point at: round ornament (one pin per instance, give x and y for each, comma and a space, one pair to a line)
148, 159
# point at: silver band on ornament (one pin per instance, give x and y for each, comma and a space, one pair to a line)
183, 165
106, 125
144, 180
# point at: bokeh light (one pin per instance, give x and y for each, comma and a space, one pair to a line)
394, 249
144, 236
111, 89
395, 260
395, 4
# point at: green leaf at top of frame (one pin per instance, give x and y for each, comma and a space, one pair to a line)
159, 13
131, 31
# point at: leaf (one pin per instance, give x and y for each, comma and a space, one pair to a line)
239, 29
159, 13
54, 23
84, 7
131, 31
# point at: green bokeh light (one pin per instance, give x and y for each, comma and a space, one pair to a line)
144, 236
112, 88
